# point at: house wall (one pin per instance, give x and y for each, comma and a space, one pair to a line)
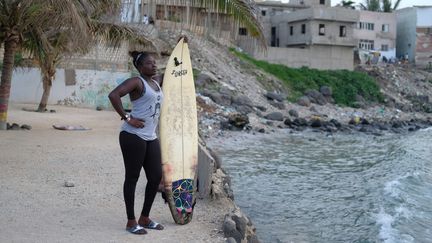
406, 33
332, 18
424, 36
90, 88
377, 35
317, 56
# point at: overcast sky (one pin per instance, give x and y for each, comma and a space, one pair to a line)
403, 4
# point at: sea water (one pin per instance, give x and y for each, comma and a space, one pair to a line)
313, 187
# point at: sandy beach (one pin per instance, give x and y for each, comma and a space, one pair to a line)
36, 206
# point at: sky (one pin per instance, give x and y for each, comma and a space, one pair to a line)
403, 4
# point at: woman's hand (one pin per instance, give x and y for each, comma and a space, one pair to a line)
135, 122
184, 37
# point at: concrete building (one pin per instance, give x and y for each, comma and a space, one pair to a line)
318, 37
376, 32
414, 34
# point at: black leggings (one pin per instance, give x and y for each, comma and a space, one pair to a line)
139, 153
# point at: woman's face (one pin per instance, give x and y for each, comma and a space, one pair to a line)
148, 66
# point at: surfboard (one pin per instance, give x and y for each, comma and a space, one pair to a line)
178, 130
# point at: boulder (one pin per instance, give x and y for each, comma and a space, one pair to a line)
293, 113
316, 97
274, 116
326, 91
304, 101
275, 96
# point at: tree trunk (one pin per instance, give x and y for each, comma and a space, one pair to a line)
10, 46
47, 84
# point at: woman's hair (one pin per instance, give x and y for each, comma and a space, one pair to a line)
138, 57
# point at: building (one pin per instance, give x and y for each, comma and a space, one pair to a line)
376, 33
414, 34
317, 37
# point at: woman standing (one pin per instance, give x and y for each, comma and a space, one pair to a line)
138, 140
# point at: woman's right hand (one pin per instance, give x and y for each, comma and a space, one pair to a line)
135, 122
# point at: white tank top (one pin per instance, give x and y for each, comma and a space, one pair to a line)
146, 108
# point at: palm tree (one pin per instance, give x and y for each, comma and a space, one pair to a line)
347, 4
380, 5
18, 18
371, 5
387, 5
61, 42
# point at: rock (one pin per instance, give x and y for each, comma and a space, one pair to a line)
275, 116
241, 100
244, 109
336, 123
275, 96
304, 101
238, 120
26, 127
316, 97
313, 109
261, 130
253, 239
8, 126
14, 126
279, 105
301, 122
231, 240
99, 108
288, 122
316, 123
261, 108
326, 91
69, 184
230, 229
220, 99
205, 80
293, 113
241, 222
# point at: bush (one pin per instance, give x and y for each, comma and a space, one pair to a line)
345, 84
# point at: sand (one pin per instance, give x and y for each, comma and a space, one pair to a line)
36, 206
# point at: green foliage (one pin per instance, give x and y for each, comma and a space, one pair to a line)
18, 61
344, 84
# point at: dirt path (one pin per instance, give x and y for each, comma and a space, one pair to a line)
36, 206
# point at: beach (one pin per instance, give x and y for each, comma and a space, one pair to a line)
66, 186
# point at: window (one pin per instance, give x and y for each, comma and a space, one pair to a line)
385, 28
321, 29
291, 30
366, 44
303, 31
342, 31
366, 26
384, 48
263, 13
322, 2
242, 31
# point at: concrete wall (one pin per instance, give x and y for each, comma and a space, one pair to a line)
317, 56
406, 32
424, 36
424, 16
377, 35
90, 90
332, 18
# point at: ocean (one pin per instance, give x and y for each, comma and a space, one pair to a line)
315, 187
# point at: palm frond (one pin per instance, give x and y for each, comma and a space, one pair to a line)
115, 34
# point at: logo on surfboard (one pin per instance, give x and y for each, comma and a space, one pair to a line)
180, 72
176, 62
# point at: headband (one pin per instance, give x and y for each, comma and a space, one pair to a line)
136, 60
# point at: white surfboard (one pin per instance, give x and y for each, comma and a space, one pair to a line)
178, 131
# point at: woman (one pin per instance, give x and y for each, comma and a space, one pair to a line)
138, 141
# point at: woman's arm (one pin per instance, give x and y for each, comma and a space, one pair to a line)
127, 87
